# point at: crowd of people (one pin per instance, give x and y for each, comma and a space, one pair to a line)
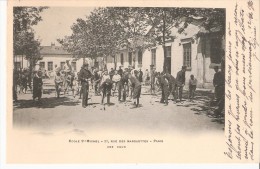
127, 83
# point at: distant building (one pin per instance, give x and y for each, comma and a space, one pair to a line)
52, 55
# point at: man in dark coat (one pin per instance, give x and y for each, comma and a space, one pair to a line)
84, 76
15, 82
111, 73
164, 85
123, 86
172, 84
120, 71
96, 79
37, 86
180, 83
152, 71
140, 76
218, 82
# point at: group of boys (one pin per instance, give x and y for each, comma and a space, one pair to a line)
170, 85
126, 82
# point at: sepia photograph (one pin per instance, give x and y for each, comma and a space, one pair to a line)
132, 84
110, 66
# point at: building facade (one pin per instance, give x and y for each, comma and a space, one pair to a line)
51, 56
200, 51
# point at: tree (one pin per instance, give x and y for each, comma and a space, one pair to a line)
24, 42
134, 26
107, 30
162, 20
23, 20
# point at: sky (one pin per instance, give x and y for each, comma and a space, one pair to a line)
56, 23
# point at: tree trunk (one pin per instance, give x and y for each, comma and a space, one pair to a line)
114, 56
22, 62
163, 43
203, 61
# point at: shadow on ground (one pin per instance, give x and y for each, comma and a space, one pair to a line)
203, 104
50, 102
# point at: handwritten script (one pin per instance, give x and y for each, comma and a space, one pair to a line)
242, 61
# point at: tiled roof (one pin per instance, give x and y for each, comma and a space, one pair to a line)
53, 50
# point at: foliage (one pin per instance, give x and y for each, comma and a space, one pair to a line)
23, 35
107, 30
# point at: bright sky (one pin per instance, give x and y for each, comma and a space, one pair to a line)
56, 23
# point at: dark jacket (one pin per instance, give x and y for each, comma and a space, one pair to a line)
219, 79
84, 74
170, 78
180, 78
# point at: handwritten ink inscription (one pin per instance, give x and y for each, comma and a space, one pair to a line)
241, 58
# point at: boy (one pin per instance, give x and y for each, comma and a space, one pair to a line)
58, 83
192, 87
136, 85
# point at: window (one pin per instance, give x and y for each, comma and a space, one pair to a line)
17, 65
153, 52
62, 65
130, 58
168, 51
50, 66
42, 65
122, 59
215, 51
140, 57
74, 66
187, 55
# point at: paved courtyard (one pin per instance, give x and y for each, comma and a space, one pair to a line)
54, 114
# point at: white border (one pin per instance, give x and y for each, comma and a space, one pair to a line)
3, 165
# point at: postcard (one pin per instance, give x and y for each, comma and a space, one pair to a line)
101, 82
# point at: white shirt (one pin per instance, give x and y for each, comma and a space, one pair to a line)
116, 78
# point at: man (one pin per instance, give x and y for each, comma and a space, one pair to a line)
111, 73
163, 82
105, 87
140, 76
67, 69
120, 71
146, 77
180, 83
37, 86
15, 83
172, 83
58, 83
96, 79
219, 84
152, 70
116, 78
84, 76
136, 85
123, 86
